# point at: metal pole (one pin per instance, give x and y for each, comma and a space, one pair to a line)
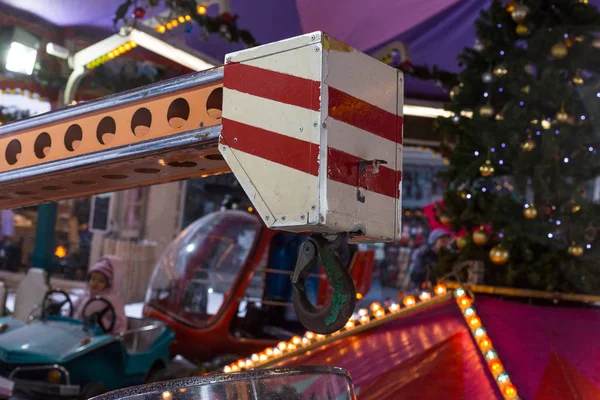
44, 237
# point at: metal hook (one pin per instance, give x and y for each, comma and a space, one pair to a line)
334, 316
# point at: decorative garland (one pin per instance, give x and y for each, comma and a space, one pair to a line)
225, 24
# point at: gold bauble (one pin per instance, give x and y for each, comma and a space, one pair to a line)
528, 145
559, 50
486, 110
519, 14
499, 71
522, 30
444, 219
562, 116
578, 79
499, 255
530, 212
510, 6
576, 251
461, 242
480, 237
486, 169
575, 208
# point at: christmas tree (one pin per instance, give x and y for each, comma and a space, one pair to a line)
525, 150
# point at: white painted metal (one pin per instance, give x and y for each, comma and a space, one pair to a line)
295, 200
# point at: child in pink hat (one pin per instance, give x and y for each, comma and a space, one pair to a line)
101, 282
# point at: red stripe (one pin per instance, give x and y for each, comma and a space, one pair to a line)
304, 156
294, 153
343, 167
360, 114
273, 85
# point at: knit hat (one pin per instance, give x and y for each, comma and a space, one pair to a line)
437, 234
105, 267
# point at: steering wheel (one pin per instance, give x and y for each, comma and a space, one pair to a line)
51, 308
98, 316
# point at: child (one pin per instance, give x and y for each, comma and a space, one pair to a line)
101, 278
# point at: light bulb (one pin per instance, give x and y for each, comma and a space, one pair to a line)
262, 357
501, 90
483, 189
459, 292
469, 311
501, 162
583, 117
550, 236
476, 153
485, 94
558, 222
492, 150
590, 148
503, 145
468, 195
501, 52
589, 246
566, 160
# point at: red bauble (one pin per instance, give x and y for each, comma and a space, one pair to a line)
139, 13
226, 17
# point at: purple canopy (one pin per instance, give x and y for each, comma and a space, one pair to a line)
435, 30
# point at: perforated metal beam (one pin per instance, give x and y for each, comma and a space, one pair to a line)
160, 133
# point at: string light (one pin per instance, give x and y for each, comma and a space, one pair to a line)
589, 246
501, 162
503, 145
493, 150
550, 236
485, 94
476, 153
499, 26
558, 222
297, 345
501, 52
521, 103
501, 90
483, 189
507, 388
124, 48
566, 160
598, 94
583, 117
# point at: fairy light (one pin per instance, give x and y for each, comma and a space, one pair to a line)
227, 369
262, 357
550, 236
364, 319
255, 358
474, 322
394, 307
375, 306
234, 368
476, 153
309, 335
379, 313
241, 364
485, 344
588, 246
276, 351
281, 345
349, 324
291, 347
296, 340
362, 312
424, 296
269, 352
409, 301
201, 9
318, 336
507, 388
440, 290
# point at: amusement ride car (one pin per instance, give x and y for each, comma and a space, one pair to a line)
224, 285
55, 355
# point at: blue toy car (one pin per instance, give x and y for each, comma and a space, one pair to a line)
58, 356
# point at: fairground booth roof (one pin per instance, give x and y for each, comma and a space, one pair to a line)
454, 343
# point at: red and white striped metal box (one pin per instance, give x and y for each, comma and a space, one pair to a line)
312, 129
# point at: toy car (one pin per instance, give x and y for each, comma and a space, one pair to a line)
223, 285
59, 356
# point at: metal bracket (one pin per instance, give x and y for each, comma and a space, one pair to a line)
319, 251
362, 167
